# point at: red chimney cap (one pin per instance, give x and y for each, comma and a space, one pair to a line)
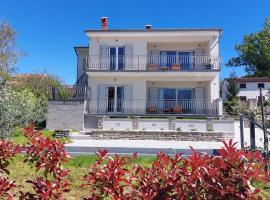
104, 23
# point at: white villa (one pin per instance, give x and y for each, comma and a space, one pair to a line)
149, 73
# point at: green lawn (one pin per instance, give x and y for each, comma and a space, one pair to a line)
78, 166
20, 139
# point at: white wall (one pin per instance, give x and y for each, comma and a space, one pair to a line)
178, 46
191, 125
82, 53
223, 126
153, 124
252, 91
117, 124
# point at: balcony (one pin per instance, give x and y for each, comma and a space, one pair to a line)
153, 63
154, 107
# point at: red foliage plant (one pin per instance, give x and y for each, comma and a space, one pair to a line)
198, 177
7, 151
46, 155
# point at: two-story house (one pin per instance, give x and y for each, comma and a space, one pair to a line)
151, 72
249, 88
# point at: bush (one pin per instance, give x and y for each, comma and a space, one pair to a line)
229, 176
7, 151
47, 155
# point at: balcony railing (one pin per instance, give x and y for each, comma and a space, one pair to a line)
153, 63
141, 106
68, 93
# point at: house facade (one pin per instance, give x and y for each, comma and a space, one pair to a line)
150, 72
249, 88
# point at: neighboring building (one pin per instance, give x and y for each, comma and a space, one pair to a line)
249, 88
149, 73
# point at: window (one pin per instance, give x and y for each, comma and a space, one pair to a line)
243, 85
243, 98
260, 85
117, 56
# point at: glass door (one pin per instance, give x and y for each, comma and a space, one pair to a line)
117, 58
111, 99
167, 59
115, 98
185, 59
169, 99
184, 98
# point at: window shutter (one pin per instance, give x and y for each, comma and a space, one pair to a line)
153, 93
104, 62
199, 93
102, 98
128, 90
199, 102
128, 57
199, 59
155, 57
102, 92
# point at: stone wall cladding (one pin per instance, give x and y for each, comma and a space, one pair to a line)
65, 115
155, 135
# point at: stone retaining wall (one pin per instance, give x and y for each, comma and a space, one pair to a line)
159, 135
65, 115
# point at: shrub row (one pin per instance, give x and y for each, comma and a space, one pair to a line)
198, 177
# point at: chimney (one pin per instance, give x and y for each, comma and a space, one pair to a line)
148, 27
104, 23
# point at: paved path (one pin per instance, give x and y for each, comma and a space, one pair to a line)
146, 147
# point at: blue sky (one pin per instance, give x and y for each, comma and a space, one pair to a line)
48, 29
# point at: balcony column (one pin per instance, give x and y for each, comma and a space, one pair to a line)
171, 123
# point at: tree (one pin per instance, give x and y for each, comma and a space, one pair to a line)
233, 87
254, 52
8, 51
18, 108
42, 85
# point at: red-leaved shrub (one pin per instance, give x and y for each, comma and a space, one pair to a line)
46, 155
229, 176
7, 151
109, 177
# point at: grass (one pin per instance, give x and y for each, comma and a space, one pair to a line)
78, 166
19, 138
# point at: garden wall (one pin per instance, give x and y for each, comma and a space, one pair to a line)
172, 124
65, 115
158, 135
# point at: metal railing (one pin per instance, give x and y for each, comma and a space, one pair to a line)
68, 92
153, 63
142, 106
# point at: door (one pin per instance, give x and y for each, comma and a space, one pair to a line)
184, 98
185, 59
117, 58
169, 99
115, 98
167, 58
